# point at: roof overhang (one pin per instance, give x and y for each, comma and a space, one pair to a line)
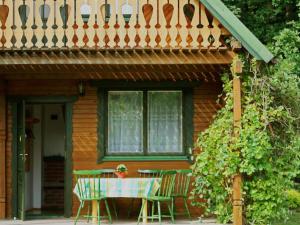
248, 40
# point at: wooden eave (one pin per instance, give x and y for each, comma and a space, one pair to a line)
118, 57
142, 64
238, 30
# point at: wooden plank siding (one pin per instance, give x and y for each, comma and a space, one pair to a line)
2, 148
85, 129
8, 162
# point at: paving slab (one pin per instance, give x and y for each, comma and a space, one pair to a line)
71, 222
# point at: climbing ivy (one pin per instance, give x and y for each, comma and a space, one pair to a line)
267, 151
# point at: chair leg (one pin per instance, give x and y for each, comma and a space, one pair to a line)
115, 208
159, 212
187, 208
152, 211
174, 207
108, 211
88, 212
98, 214
141, 212
171, 211
78, 212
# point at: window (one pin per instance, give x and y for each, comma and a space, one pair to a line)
125, 122
145, 124
164, 122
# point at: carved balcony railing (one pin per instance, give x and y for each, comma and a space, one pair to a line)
96, 24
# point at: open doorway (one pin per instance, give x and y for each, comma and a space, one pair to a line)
45, 160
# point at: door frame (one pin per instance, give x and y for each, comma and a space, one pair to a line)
68, 101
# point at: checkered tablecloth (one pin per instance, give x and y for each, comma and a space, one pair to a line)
119, 188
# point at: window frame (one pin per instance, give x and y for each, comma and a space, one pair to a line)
107, 125
182, 152
187, 109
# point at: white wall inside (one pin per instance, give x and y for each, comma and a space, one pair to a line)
48, 140
54, 130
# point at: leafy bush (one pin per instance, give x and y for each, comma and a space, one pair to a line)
267, 152
293, 197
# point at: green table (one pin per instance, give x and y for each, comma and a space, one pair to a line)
120, 188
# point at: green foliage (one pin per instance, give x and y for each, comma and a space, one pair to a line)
294, 219
267, 152
266, 18
293, 198
121, 168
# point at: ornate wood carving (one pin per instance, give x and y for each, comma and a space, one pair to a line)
3, 17
115, 23
75, 26
168, 10
65, 10
148, 12
189, 11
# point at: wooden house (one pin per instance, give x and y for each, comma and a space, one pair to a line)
87, 84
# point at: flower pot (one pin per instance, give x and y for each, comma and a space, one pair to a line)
121, 174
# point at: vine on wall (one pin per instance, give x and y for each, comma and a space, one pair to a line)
267, 152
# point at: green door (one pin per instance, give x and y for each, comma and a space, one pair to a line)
21, 157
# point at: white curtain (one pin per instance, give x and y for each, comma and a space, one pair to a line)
164, 121
125, 121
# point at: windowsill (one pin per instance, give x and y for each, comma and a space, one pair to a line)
144, 158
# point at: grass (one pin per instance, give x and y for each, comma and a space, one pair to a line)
294, 219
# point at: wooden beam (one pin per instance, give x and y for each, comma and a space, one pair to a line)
2, 150
106, 58
237, 114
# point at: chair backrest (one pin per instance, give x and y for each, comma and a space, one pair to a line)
108, 173
167, 183
88, 184
182, 183
149, 173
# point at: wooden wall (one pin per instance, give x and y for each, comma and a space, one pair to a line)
8, 163
2, 149
85, 128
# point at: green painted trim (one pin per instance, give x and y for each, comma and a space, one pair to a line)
128, 85
14, 171
238, 30
145, 123
43, 99
144, 158
101, 114
68, 101
68, 161
187, 120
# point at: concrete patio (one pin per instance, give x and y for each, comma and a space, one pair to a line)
71, 222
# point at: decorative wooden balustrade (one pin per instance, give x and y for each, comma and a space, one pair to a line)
34, 24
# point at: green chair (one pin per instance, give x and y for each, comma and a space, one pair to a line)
110, 173
149, 173
163, 195
181, 189
144, 174
87, 188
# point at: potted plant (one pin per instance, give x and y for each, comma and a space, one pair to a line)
121, 171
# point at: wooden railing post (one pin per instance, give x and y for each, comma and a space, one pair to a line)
237, 114
2, 150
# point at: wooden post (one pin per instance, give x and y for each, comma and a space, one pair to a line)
145, 210
2, 150
94, 212
237, 114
